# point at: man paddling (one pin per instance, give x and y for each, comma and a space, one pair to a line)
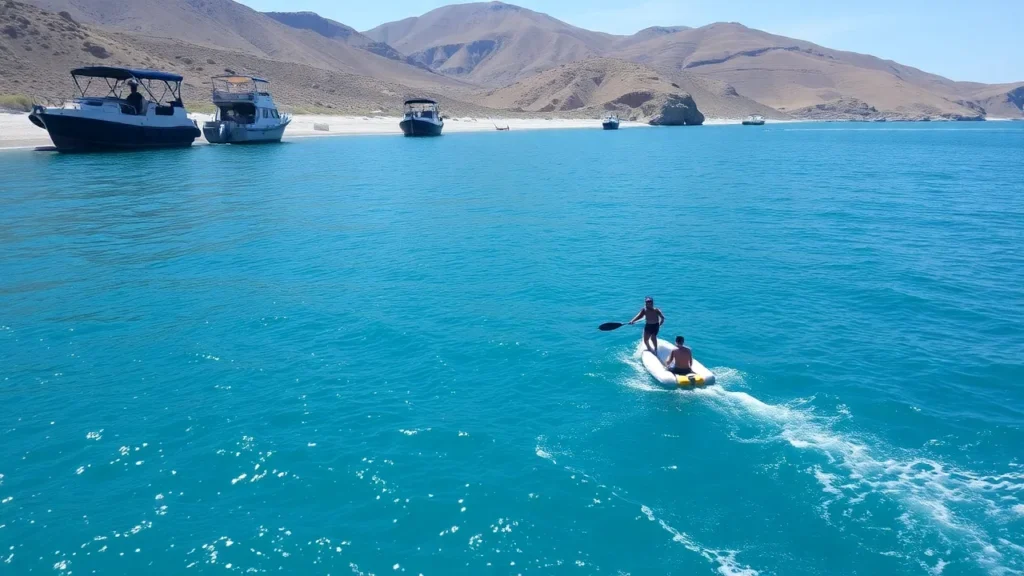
680, 361
654, 319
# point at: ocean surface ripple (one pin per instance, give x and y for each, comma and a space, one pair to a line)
374, 355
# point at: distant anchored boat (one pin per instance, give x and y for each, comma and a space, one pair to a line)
754, 120
421, 118
246, 113
610, 122
125, 118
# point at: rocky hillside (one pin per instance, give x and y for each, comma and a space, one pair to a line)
791, 75
483, 56
228, 25
631, 90
334, 30
39, 48
492, 44
484, 43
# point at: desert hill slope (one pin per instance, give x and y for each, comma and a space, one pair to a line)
783, 73
331, 29
39, 48
610, 85
492, 43
788, 74
486, 54
228, 25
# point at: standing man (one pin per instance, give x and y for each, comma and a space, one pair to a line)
654, 319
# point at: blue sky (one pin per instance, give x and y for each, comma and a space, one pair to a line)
956, 39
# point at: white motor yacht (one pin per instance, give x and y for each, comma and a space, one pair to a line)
246, 112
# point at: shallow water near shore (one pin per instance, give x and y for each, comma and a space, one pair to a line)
379, 355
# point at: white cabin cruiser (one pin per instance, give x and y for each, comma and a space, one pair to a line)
126, 118
245, 112
422, 118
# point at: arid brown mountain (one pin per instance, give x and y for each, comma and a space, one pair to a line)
492, 44
789, 74
39, 48
228, 25
608, 85
484, 40
483, 54
336, 30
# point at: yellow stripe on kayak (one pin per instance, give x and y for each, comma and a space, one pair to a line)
690, 380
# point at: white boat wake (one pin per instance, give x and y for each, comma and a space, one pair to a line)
938, 501
725, 561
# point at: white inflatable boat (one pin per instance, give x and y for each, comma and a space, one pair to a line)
656, 366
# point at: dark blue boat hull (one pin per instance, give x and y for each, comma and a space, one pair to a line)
416, 127
75, 134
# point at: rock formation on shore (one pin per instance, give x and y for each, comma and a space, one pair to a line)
673, 110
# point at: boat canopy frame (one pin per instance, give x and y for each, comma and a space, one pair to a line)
231, 84
416, 107
117, 78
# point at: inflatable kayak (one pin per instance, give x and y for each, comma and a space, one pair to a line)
656, 366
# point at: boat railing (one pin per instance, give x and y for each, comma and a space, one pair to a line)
222, 96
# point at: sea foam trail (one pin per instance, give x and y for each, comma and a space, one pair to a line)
937, 498
725, 561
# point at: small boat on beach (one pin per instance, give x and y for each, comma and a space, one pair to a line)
610, 122
754, 120
246, 112
422, 118
124, 118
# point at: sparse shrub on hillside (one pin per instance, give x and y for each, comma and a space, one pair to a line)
67, 16
11, 31
95, 49
15, 102
210, 61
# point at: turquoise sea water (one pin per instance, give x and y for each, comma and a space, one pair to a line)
374, 355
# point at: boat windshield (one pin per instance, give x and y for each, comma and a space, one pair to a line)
421, 109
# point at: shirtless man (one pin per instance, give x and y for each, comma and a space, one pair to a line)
680, 361
654, 319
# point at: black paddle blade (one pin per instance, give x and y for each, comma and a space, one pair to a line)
609, 326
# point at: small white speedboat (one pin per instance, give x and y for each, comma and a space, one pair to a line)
656, 366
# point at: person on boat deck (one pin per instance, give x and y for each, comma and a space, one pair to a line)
135, 100
680, 361
654, 319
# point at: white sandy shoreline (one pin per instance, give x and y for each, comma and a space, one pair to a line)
17, 132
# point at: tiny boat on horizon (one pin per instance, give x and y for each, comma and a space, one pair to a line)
422, 118
246, 112
610, 122
754, 120
119, 121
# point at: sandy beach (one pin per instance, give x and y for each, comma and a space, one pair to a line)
16, 132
